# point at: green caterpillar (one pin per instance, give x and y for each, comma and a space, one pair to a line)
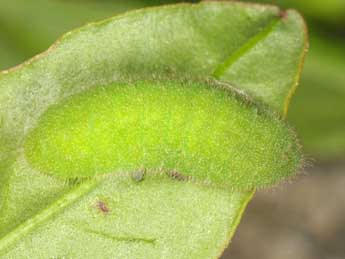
198, 129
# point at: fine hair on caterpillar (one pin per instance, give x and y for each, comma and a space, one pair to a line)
196, 130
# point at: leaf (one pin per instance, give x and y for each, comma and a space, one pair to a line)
250, 67
42, 216
154, 218
48, 20
331, 13
321, 127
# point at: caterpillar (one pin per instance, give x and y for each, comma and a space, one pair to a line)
203, 131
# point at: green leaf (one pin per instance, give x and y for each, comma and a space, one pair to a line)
48, 20
251, 67
20, 40
318, 111
330, 12
157, 217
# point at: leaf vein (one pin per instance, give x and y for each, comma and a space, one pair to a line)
245, 48
26, 227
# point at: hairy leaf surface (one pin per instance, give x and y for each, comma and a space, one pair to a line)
157, 217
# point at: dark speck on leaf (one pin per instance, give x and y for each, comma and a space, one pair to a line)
102, 207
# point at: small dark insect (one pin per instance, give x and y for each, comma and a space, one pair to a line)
102, 206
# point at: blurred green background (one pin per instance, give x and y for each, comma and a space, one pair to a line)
317, 111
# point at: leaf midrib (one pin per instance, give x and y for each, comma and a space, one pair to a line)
26, 227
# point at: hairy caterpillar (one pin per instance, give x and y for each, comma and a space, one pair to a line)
196, 128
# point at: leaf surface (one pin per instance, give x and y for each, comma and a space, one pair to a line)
20, 40
330, 13
43, 217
